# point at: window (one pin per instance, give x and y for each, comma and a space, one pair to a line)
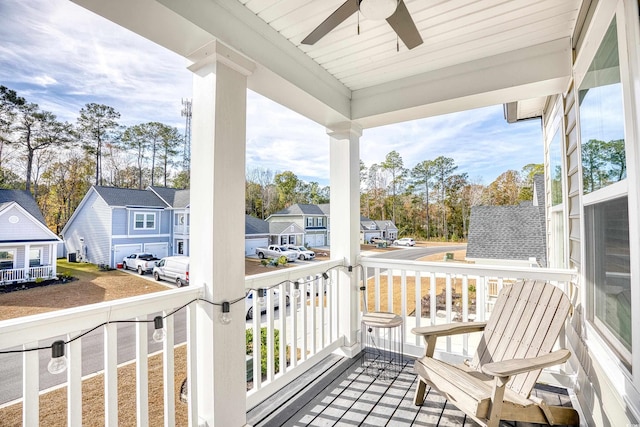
35, 257
144, 221
309, 221
7, 257
181, 247
601, 117
555, 169
608, 272
319, 222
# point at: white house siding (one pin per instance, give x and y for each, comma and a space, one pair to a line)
26, 228
93, 224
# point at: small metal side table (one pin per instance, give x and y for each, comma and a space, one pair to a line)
382, 337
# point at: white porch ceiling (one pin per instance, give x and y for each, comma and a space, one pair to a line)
475, 52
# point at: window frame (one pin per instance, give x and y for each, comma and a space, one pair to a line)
13, 250
145, 216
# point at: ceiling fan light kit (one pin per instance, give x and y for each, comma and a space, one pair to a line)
377, 10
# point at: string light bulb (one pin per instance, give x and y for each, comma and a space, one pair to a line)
325, 276
58, 362
261, 296
158, 334
296, 290
225, 316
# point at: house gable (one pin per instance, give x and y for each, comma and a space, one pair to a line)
18, 225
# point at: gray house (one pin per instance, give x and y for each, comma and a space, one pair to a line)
111, 223
312, 219
511, 235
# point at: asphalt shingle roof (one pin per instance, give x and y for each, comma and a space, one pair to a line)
129, 197
255, 225
301, 209
174, 197
507, 232
24, 199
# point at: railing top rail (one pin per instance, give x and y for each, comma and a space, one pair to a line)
14, 332
294, 273
560, 274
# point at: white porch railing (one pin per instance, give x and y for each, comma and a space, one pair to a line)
307, 328
41, 272
12, 275
462, 292
180, 229
21, 275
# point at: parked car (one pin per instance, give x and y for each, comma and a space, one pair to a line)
142, 262
248, 303
276, 251
173, 269
405, 241
303, 253
376, 240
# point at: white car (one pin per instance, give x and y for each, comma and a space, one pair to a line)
303, 253
405, 241
248, 303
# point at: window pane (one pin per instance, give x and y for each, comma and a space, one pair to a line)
6, 260
555, 170
34, 257
602, 118
151, 220
608, 268
139, 221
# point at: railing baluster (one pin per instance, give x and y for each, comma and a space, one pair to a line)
110, 375
389, 290
314, 330
168, 373
74, 379
142, 373
294, 321
465, 312
432, 297
270, 338
448, 299
30, 386
192, 364
306, 293
330, 313
418, 311
321, 299
282, 304
257, 342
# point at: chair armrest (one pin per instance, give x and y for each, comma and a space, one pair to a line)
449, 329
508, 368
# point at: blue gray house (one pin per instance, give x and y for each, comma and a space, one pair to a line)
27, 246
111, 223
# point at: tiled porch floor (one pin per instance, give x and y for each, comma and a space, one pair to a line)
339, 393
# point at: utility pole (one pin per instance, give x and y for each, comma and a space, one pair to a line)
186, 113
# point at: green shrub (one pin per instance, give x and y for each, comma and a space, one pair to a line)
282, 260
263, 348
472, 288
39, 279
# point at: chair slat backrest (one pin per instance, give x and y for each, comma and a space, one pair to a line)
526, 321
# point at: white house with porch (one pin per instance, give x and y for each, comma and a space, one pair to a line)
573, 64
27, 246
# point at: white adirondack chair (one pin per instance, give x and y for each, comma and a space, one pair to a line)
516, 345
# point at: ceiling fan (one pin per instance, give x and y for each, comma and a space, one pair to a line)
394, 11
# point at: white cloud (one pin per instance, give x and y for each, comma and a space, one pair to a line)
62, 56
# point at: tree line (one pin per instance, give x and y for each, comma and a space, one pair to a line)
58, 161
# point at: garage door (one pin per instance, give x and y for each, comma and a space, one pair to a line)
121, 251
250, 245
314, 240
160, 250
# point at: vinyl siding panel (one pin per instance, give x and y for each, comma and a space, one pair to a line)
119, 221
93, 224
27, 228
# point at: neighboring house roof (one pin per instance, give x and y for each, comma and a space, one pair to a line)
24, 199
114, 196
278, 228
325, 208
301, 209
538, 189
386, 224
254, 226
172, 196
507, 232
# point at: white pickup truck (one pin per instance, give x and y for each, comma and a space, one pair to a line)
276, 251
143, 262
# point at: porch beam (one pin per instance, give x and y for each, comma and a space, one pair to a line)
344, 175
532, 72
217, 238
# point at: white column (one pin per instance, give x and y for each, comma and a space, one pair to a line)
217, 229
344, 173
27, 249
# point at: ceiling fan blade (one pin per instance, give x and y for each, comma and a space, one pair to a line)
347, 9
403, 25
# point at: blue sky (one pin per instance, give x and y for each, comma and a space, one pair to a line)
62, 56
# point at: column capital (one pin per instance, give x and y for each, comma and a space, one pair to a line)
344, 130
215, 52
